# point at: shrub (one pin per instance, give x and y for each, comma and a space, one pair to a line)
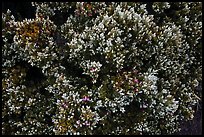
101, 68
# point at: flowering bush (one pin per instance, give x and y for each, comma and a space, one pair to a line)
109, 68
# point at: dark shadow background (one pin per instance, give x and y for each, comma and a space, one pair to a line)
20, 10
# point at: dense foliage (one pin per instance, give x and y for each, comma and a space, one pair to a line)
101, 68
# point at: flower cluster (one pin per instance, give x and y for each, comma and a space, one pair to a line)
86, 9
106, 68
91, 69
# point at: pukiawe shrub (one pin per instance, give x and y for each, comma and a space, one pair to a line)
94, 68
